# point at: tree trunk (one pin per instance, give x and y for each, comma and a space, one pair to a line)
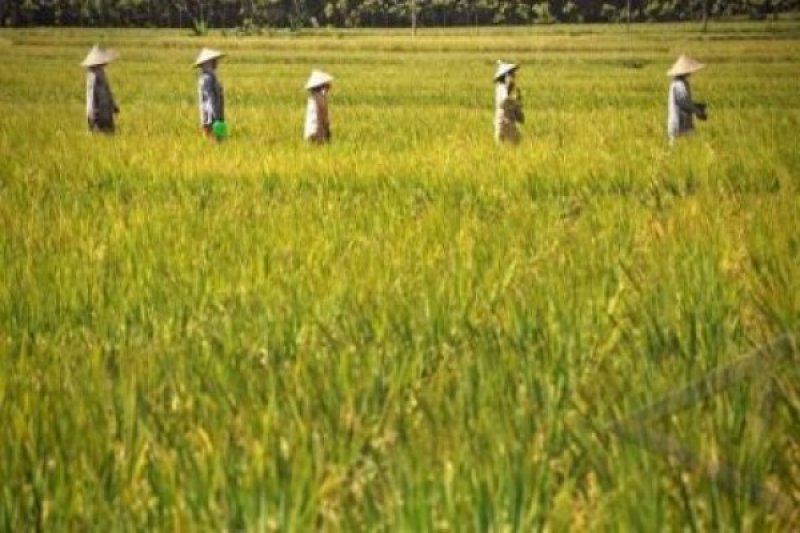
629, 16
413, 17
705, 16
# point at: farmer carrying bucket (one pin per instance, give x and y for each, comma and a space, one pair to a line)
508, 104
318, 126
210, 97
100, 104
680, 107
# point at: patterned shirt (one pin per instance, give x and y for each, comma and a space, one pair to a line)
100, 104
211, 99
506, 115
317, 125
680, 108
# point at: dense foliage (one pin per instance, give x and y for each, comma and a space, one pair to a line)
251, 14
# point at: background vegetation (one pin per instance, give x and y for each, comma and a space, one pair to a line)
250, 15
413, 328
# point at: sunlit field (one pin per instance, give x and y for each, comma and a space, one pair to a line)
413, 328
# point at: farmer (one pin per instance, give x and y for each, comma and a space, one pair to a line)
100, 104
318, 125
508, 104
211, 100
680, 106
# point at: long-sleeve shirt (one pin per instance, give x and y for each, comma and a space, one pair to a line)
317, 125
680, 108
211, 99
505, 122
100, 104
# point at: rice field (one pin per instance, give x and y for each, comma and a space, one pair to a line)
413, 328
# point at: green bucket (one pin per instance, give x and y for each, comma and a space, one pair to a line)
219, 129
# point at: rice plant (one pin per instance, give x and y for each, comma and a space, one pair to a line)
412, 328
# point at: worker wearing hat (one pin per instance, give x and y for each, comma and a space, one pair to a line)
680, 107
210, 96
318, 126
508, 105
100, 104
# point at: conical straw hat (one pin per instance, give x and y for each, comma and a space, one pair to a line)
684, 65
503, 69
317, 79
98, 56
206, 55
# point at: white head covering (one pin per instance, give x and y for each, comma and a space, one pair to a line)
206, 55
98, 56
317, 79
503, 69
684, 65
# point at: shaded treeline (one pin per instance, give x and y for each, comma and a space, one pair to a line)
249, 14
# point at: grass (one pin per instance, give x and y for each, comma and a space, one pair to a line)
411, 329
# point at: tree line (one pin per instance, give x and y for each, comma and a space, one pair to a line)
251, 15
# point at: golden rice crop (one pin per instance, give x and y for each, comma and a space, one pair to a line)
412, 328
